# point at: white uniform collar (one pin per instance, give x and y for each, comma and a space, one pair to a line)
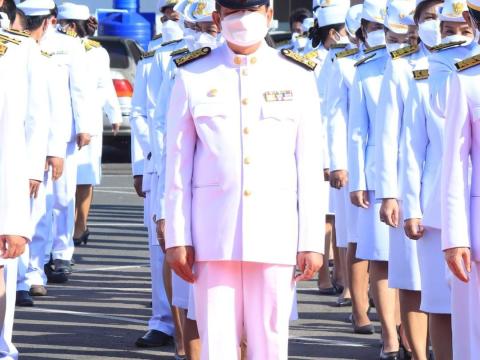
237, 60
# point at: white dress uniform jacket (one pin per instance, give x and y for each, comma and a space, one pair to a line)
244, 154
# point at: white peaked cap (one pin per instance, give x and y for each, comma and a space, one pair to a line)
353, 19
474, 4
36, 7
452, 10
400, 15
199, 11
374, 10
180, 7
307, 24
71, 11
332, 12
316, 3
162, 3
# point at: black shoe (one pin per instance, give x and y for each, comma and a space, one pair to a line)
363, 330
344, 302
154, 338
328, 291
52, 276
82, 239
393, 355
62, 266
24, 299
38, 290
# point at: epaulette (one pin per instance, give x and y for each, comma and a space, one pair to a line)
3, 49
311, 55
338, 46
69, 32
420, 74
156, 37
46, 54
347, 53
91, 44
364, 60
406, 51
447, 46
375, 48
148, 54
182, 51
5, 38
23, 33
193, 56
468, 63
171, 42
299, 59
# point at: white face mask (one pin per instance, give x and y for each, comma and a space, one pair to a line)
454, 38
4, 21
341, 39
396, 46
376, 38
245, 28
206, 40
429, 32
171, 31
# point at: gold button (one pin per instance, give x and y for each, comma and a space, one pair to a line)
247, 193
247, 161
213, 93
253, 60
245, 101
246, 131
237, 60
244, 72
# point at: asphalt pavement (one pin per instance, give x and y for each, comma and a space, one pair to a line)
104, 307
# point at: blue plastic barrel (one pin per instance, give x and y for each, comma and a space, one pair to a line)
130, 25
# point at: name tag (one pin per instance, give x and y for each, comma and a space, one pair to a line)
283, 95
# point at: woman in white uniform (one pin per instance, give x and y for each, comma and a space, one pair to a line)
373, 235
422, 150
103, 99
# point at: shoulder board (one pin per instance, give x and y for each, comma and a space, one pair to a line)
5, 38
19, 33
446, 46
364, 60
311, 55
338, 46
182, 51
68, 32
420, 74
171, 42
347, 53
468, 63
156, 37
46, 54
3, 49
193, 56
375, 48
299, 59
91, 44
406, 51
148, 54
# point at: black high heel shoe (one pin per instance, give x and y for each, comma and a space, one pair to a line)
82, 239
393, 355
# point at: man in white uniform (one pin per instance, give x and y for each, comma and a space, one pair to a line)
244, 154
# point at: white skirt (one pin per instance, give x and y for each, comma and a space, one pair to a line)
345, 217
89, 160
373, 235
433, 270
180, 292
403, 265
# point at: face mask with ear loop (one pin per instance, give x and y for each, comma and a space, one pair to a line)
4, 21
245, 28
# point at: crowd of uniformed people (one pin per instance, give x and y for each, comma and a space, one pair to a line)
352, 151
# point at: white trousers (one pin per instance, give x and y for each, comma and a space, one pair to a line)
7, 350
236, 299
161, 318
465, 318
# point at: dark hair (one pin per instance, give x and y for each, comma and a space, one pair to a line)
34, 22
9, 8
163, 8
323, 32
475, 15
359, 35
22, 19
422, 6
269, 40
299, 15
84, 27
54, 11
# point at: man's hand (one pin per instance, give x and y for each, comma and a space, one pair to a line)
414, 228
390, 212
458, 260
34, 186
138, 184
181, 260
83, 139
326, 174
338, 179
56, 164
161, 233
115, 129
309, 263
12, 246
360, 199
